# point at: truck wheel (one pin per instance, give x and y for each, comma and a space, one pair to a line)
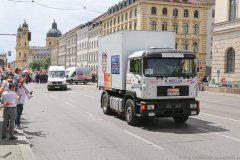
105, 105
181, 118
71, 81
76, 82
85, 82
49, 89
129, 113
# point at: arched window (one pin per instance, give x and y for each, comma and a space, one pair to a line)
230, 60
153, 26
196, 14
195, 47
196, 29
232, 10
164, 12
175, 12
164, 26
185, 13
185, 28
154, 10
175, 27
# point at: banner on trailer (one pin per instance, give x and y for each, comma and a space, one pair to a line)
108, 81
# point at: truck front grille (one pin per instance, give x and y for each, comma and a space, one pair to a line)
57, 82
162, 90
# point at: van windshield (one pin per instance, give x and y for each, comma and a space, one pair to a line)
56, 74
174, 67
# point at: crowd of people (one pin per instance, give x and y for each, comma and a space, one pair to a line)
13, 93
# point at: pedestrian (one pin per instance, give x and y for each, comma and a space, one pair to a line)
21, 93
9, 113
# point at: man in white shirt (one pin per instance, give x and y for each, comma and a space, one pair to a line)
9, 113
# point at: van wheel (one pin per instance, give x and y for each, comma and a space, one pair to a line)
181, 118
106, 105
85, 82
76, 82
49, 89
71, 81
129, 113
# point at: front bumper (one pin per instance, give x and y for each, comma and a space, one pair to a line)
168, 108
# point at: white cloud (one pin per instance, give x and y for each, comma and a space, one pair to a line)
39, 18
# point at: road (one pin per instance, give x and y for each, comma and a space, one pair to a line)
62, 125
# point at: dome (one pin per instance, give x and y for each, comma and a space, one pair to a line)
20, 29
54, 32
25, 24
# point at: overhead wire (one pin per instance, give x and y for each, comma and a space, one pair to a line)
56, 8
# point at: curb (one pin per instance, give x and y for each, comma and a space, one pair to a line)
26, 151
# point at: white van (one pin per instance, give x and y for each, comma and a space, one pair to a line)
56, 78
78, 75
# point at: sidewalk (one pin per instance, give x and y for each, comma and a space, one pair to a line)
15, 150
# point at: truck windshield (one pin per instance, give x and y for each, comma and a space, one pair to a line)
164, 67
56, 74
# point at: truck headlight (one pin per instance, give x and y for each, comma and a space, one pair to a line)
150, 107
49, 82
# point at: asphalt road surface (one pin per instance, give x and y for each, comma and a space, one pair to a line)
70, 125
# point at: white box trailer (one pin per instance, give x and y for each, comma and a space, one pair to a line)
119, 45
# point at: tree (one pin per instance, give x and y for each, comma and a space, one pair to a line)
35, 65
42, 64
46, 63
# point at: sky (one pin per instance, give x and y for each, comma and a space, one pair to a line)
40, 18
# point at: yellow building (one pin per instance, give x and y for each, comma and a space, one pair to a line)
25, 53
188, 18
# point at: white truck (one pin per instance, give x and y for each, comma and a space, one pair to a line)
141, 81
78, 75
56, 78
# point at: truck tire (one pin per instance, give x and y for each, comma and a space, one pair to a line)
181, 118
71, 81
131, 118
85, 82
49, 89
76, 82
105, 105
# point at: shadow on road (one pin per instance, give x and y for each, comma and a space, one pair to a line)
167, 125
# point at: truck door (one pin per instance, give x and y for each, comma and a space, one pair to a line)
134, 76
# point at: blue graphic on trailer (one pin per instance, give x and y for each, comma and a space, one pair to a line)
115, 64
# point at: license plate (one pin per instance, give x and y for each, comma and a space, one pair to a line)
173, 92
151, 114
57, 86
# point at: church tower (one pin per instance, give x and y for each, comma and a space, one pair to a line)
52, 35
22, 47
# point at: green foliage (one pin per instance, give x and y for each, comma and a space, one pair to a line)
40, 64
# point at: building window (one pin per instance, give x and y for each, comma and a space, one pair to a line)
135, 12
176, 46
175, 12
135, 25
25, 43
232, 10
213, 13
19, 54
195, 47
196, 29
175, 27
49, 43
185, 13
196, 14
118, 19
186, 46
153, 26
126, 16
130, 26
164, 12
164, 26
154, 10
130, 16
185, 28
230, 61
122, 18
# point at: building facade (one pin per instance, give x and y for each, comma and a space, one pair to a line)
61, 58
187, 18
71, 48
226, 42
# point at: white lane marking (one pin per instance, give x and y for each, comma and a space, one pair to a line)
90, 114
71, 105
92, 97
222, 135
142, 139
211, 115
